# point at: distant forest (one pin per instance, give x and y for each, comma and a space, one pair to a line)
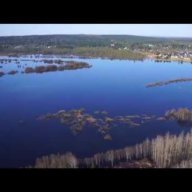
113, 46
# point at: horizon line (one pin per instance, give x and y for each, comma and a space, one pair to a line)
97, 35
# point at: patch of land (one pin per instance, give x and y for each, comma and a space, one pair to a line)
68, 66
181, 115
163, 83
58, 66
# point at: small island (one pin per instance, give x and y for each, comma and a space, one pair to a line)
58, 65
162, 83
181, 115
72, 65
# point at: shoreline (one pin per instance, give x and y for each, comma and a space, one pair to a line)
153, 57
147, 57
74, 57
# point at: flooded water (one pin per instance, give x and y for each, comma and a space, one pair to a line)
116, 86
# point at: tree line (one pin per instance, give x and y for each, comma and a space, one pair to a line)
165, 151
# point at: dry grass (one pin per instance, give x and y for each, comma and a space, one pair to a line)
67, 160
184, 164
165, 151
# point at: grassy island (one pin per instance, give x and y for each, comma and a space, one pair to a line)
72, 65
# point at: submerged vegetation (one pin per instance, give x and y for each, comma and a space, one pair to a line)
72, 65
48, 61
183, 116
13, 72
78, 119
58, 65
162, 83
163, 152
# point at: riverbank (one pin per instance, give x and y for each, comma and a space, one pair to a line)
171, 59
93, 52
103, 53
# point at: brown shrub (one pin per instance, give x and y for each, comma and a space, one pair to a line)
29, 70
13, 72
1, 73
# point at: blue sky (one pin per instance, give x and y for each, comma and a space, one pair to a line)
162, 30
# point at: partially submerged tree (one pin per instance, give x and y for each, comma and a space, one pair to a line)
67, 160
164, 151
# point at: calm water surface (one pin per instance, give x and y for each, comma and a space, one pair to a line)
117, 86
